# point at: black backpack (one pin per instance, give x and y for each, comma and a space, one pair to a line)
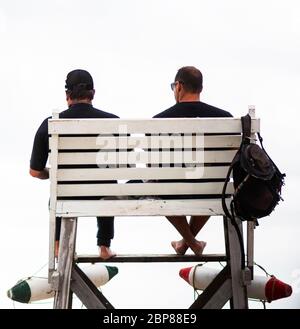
256, 179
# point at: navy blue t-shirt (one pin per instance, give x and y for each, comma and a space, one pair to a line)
39, 155
192, 110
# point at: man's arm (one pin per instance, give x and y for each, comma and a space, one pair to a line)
43, 174
39, 155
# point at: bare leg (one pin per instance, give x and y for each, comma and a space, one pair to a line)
182, 226
196, 224
56, 248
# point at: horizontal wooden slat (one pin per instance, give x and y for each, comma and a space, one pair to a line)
161, 125
85, 208
222, 141
149, 258
165, 157
141, 173
106, 143
66, 190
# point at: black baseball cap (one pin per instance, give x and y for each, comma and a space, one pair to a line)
79, 77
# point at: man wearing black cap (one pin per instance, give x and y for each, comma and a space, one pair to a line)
79, 95
187, 87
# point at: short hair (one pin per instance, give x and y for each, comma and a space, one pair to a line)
191, 78
80, 92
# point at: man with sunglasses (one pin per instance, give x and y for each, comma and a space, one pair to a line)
187, 87
79, 95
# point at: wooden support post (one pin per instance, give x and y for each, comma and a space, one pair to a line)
233, 250
251, 225
51, 262
65, 262
86, 291
53, 198
250, 246
218, 292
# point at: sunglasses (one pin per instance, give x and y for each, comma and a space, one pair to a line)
173, 84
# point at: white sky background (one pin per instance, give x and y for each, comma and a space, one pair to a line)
248, 52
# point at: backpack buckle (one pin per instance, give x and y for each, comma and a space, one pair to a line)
251, 138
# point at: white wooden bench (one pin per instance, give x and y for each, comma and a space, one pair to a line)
86, 152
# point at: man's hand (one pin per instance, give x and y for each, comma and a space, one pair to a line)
43, 174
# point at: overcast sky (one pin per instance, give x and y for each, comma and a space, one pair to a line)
248, 52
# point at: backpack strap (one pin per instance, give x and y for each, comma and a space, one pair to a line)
246, 127
231, 213
246, 134
224, 206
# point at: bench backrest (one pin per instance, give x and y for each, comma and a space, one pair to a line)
168, 157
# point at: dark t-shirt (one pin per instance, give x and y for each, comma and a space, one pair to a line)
40, 148
192, 110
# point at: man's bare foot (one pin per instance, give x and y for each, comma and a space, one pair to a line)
180, 247
56, 249
106, 252
198, 247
